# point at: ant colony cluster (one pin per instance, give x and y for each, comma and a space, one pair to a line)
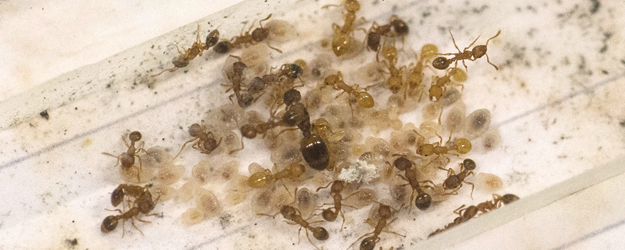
319, 124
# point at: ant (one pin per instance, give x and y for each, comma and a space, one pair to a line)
244, 99
330, 214
247, 38
204, 140
369, 243
124, 189
196, 49
376, 32
423, 199
471, 55
364, 99
464, 214
343, 35
128, 158
439, 85
497, 201
461, 145
294, 215
260, 179
415, 74
142, 204
395, 80
454, 181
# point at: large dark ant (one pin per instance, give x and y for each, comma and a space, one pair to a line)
471, 55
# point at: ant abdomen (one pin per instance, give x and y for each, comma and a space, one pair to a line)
109, 224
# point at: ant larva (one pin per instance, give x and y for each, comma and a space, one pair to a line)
342, 39
196, 50
246, 38
384, 212
471, 55
127, 158
364, 99
204, 140
454, 181
423, 199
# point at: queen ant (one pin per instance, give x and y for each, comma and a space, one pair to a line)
196, 50
246, 38
364, 99
204, 141
343, 35
423, 199
127, 158
369, 243
454, 181
471, 55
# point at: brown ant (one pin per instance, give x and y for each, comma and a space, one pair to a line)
461, 145
343, 35
369, 243
330, 214
464, 214
142, 204
439, 85
128, 158
244, 99
376, 32
471, 55
294, 215
454, 181
261, 179
196, 49
497, 201
415, 74
246, 38
364, 99
423, 199
124, 189
204, 140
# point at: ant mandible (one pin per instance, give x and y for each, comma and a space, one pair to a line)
471, 55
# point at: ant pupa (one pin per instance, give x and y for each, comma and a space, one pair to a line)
207, 201
262, 202
455, 118
166, 192
477, 122
451, 96
306, 200
169, 175
431, 111
280, 31
127, 158
192, 216
489, 182
471, 55
288, 153
491, 139
157, 157
185, 192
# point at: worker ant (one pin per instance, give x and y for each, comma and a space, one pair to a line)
369, 243
127, 158
246, 38
330, 214
196, 49
454, 181
143, 203
343, 35
261, 179
415, 73
461, 145
204, 140
497, 202
364, 99
439, 84
395, 80
395, 27
464, 214
244, 99
423, 199
471, 55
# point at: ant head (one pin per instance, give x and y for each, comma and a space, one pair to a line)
328, 214
468, 164
436, 92
373, 40
135, 136
389, 52
423, 201
352, 5
400, 27
248, 131
384, 211
291, 97
180, 62
402, 163
337, 186
256, 85
245, 99
292, 70
331, 79
297, 169
288, 212
117, 196
195, 130
108, 224
509, 198
260, 34
210, 144
212, 38
222, 47
425, 150
441, 63
238, 66
479, 51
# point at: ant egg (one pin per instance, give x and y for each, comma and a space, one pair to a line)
491, 139
165, 192
431, 111
451, 96
185, 193
430, 129
370, 72
306, 201
455, 118
156, 157
262, 201
280, 31
477, 122
170, 175
364, 197
134, 174
207, 202
192, 216
489, 182
287, 154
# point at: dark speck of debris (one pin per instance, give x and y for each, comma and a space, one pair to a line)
71, 242
45, 114
595, 6
605, 72
622, 123
75, 108
108, 86
426, 14
225, 220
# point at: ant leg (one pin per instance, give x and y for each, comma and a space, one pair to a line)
454, 40
472, 188
236, 150
478, 37
498, 32
169, 70
326, 186
197, 40
274, 48
116, 156
342, 223
180, 52
488, 60
133, 224
261, 21
140, 168
183, 145
459, 210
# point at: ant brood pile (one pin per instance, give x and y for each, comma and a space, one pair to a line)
316, 140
